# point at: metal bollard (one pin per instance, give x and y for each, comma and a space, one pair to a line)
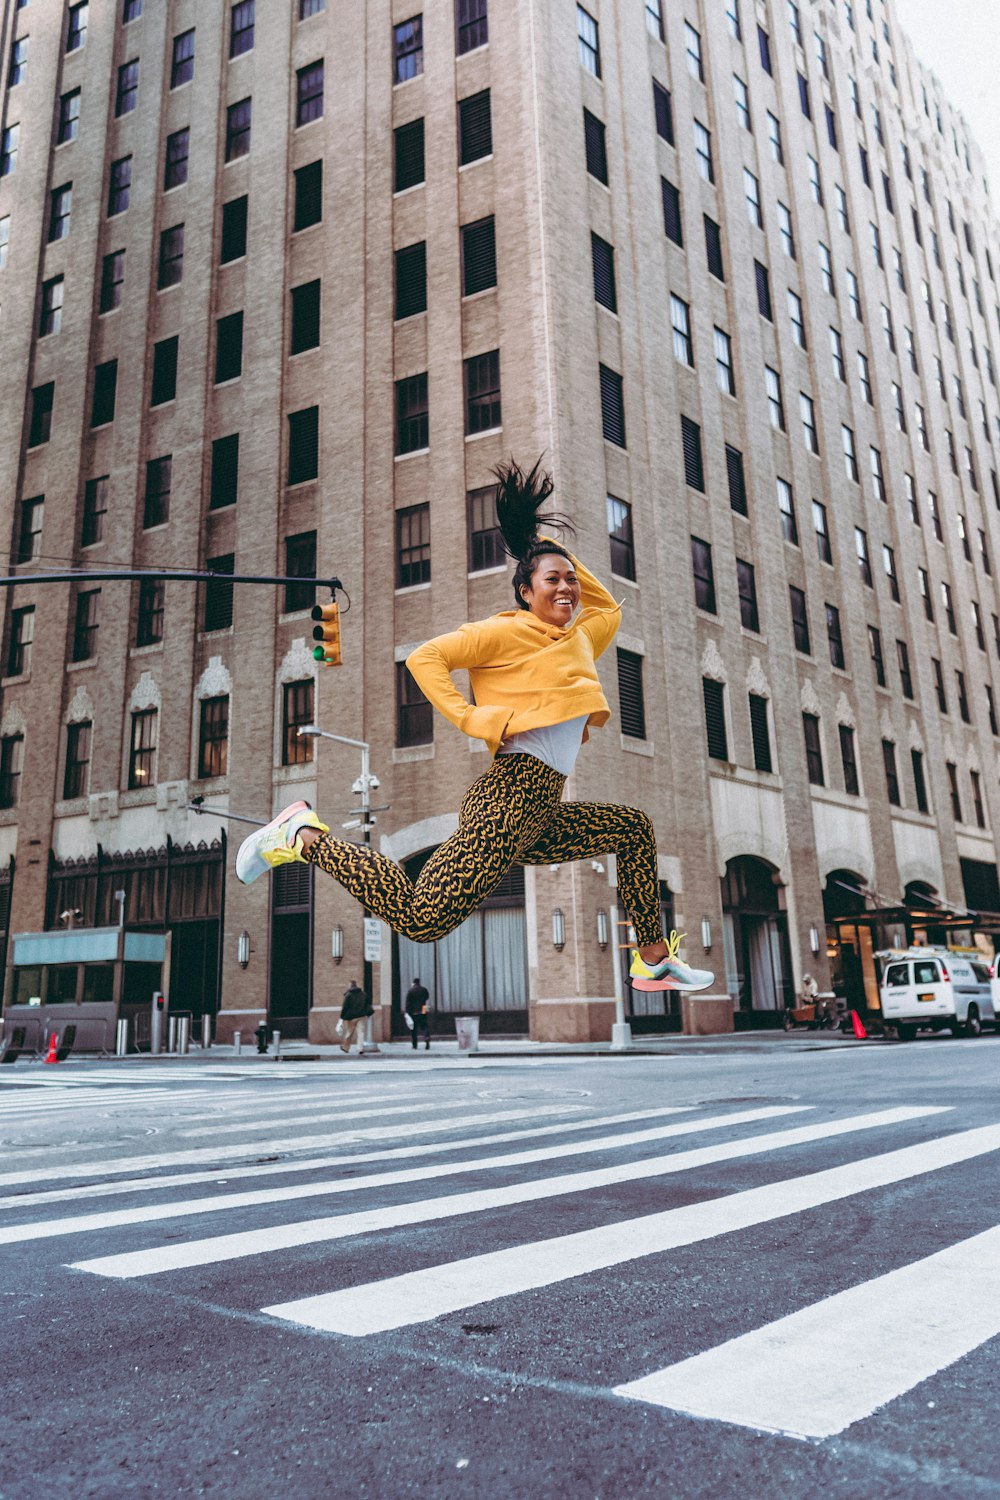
237, 1040
206, 1031
172, 1034
183, 1024
121, 1038
276, 1044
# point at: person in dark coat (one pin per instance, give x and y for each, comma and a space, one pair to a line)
416, 1009
355, 1009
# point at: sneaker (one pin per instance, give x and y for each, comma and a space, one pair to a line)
277, 843
670, 972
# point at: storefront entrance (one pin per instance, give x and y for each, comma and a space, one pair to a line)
755, 938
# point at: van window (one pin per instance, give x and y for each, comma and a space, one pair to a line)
926, 972
897, 974
982, 972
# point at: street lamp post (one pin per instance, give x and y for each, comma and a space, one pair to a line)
366, 781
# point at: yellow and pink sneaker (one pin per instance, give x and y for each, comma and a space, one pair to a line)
669, 972
277, 843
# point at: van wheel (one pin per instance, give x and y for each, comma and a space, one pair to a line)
905, 1032
973, 1025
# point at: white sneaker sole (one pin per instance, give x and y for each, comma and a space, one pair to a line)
249, 863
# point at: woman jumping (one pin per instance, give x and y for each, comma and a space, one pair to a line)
537, 694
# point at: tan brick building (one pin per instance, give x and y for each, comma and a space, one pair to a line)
280, 286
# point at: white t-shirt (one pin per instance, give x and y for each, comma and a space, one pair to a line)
557, 745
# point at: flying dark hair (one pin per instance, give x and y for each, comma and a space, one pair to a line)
519, 497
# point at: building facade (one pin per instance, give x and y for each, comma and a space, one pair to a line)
280, 284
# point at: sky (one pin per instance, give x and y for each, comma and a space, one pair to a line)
960, 41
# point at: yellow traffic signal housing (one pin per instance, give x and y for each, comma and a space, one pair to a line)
327, 632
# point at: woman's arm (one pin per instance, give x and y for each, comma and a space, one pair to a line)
601, 625
433, 663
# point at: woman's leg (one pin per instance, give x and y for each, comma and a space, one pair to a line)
507, 806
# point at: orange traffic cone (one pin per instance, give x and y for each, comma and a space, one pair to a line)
52, 1056
858, 1024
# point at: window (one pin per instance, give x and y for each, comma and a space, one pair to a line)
119, 186
785, 231
814, 750
866, 175
300, 562
8, 150
297, 710
305, 316
482, 393
411, 414
949, 608
804, 96
840, 198
834, 636
889, 564
213, 737
764, 47
704, 577
76, 30
991, 709
238, 123
95, 508
737, 481
224, 482
890, 336
182, 59
589, 45
680, 322
413, 546
171, 266
878, 476
630, 696
848, 760
472, 25
475, 128
234, 229
612, 407
713, 248
11, 764
963, 698
760, 734
911, 498
713, 696
775, 404
703, 151
309, 93
105, 389
919, 783
795, 317
85, 625
303, 440
956, 801
164, 371
486, 548
50, 318
821, 527
479, 262
850, 453
654, 18
864, 378
18, 61
891, 777
228, 347
774, 138
694, 471
663, 113
923, 579
815, 184
692, 48
156, 503
218, 597
854, 295
837, 354
977, 625
595, 147
408, 159
903, 662
672, 227
241, 27
724, 377
786, 512
984, 553
68, 127
864, 561
75, 778
897, 401
746, 582
40, 424
20, 638
620, 537
414, 714
149, 619
142, 751
921, 420
29, 541
800, 620
876, 245
794, 21
942, 698
826, 268
763, 281
977, 799
742, 97
127, 95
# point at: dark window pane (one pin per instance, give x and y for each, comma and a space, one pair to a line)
11, 765
713, 694
713, 248
95, 508
620, 535
694, 472
414, 714
175, 168
225, 471
704, 577
77, 759
297, 709
411, 280
85, 625
241, 28
612, 407
412, 427
234, 229
471, 25
219, 596
303, 445
309, 93
142, 752
814, 751
171, 266
409, 155
672, 226
300, 562
40, 426
848, 760
479, 256
630, 695
213, 737
603, 257
164, 372
737, 480
408, 49
413, 546
229, 347
105, 387
594, 144
475, 129
662, 112
308, 195
238, 122
156, 506
485, 540
182, 60
763, 291
149, 621
760, 734
305, 316
112, 281
482, 392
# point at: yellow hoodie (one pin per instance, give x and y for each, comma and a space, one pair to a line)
524, 674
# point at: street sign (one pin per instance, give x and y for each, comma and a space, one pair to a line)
373, 940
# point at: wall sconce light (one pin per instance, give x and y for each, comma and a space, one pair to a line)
558, 930
337, 944
602, 928
243, 949
813, 940
706, 934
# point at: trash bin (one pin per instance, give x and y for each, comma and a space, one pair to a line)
467, 1033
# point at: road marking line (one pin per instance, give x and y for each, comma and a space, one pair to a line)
817, 1371
318, 1115
267, 1147
418, 1296
321, 1163
81, 1223
342, 1226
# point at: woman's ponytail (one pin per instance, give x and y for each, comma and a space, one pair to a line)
519, 497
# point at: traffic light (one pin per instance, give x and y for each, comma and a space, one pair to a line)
328, 633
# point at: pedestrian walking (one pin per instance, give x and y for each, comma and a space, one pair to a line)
354, 1011
536, 697
415, 1006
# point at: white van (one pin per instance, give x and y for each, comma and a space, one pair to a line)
937, 988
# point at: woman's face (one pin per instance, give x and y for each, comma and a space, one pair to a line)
555, 590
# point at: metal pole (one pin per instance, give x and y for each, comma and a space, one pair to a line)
237, 1042
183, 1024
156, 1026
172, 1034
206, 1031
276, 1045
121, 1038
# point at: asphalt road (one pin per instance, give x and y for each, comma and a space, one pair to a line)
764, 1270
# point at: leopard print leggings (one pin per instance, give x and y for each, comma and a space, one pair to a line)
511, 813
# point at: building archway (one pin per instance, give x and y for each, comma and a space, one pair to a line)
849, 943
755, 939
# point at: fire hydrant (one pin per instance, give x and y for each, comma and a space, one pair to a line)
261, 1035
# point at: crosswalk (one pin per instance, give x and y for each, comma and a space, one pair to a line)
316, 1191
